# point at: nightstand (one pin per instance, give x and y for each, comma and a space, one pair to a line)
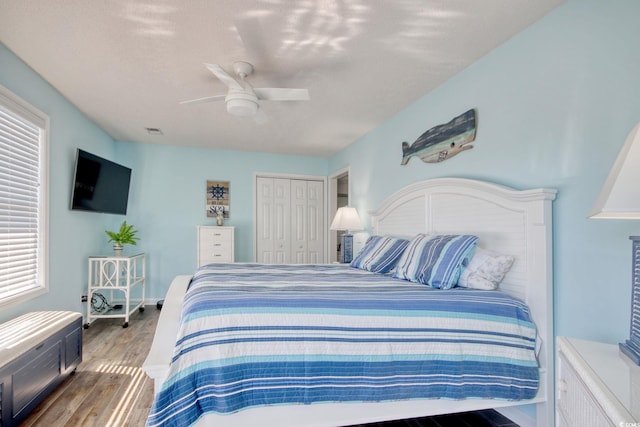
596, 384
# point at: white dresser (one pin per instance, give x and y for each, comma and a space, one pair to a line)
596, 385
215, 244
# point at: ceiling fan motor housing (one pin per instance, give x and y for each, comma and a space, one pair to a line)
242, 104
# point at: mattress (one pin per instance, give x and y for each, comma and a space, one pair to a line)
255, 335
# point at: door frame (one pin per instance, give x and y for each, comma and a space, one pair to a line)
332, 208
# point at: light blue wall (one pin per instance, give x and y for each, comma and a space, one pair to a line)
72, 235
554, 105
167, 200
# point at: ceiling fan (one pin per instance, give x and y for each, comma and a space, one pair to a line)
242, 99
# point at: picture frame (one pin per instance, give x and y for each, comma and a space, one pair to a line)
218, 199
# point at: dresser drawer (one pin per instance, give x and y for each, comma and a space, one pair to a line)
215, 234
218, 240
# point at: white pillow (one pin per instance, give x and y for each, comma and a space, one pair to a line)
485, 270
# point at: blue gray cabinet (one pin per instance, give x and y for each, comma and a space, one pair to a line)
33, 373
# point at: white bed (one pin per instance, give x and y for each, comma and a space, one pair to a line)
508, 221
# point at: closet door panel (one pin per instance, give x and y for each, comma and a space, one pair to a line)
272, 212
264, 220
315, 222
282, 196
299, 221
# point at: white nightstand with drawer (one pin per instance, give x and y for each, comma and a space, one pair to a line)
597, 385
215, 244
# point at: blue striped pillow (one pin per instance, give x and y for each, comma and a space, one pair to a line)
436, 260
380, 254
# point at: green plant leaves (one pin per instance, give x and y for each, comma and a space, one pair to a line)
125, 236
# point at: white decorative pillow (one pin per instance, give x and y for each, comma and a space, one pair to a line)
485, 270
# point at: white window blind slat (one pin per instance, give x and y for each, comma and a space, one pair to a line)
10, 126
17, 196
18, 160
12, 161
22, 209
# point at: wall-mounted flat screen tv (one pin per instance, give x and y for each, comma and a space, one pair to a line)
100, 185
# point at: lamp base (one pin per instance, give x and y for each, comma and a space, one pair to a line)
631, 350
346, 248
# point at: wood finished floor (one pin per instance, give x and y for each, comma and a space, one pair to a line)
110, 390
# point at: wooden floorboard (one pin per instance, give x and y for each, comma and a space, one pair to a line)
110, 390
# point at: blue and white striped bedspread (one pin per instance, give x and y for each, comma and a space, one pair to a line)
254, 335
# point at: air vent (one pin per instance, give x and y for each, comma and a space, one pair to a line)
154, 131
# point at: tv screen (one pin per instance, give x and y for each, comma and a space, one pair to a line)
100, 185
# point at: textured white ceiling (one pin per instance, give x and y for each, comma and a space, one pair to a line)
127, 64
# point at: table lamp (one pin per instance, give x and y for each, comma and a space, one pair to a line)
346, 219
620, 199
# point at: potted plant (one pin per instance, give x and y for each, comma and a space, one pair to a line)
125, 236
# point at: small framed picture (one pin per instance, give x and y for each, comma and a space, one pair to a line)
218, 199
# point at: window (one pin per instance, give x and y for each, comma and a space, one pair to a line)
23, 199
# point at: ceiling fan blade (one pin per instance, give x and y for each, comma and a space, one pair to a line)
205, 99
281, 94
224, 77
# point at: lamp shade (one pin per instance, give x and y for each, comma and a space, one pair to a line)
620, 195
346, 219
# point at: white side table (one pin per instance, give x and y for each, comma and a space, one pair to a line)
122, 279
597, 385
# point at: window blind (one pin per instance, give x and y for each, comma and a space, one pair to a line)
21, 231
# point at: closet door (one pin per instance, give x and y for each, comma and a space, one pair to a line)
307, 221
290, 221
315, 222
273, 220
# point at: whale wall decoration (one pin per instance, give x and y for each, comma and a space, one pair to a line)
443, 141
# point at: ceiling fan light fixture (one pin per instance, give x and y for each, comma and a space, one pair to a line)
242, 107
242, 104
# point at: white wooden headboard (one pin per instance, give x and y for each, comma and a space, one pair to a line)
514, 222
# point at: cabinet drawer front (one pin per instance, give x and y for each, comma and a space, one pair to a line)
221, 245
214, 258
213, 235
576, 405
